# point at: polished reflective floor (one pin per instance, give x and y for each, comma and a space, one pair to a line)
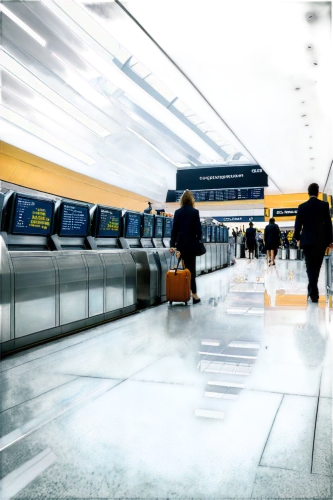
230, 398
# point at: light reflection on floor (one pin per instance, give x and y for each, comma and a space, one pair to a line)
230, 398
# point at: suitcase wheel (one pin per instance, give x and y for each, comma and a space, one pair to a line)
186, 303
170, 302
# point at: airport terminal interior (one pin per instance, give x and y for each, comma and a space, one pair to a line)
116, 381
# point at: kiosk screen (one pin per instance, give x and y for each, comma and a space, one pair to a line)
148, 226
74, 220
159, 227
209, 234
213, 234
108, 225
133, 225
32, 216
168, 223
204, 233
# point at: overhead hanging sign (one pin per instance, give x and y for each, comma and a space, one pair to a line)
220, 195
221, 177
285, 212
240, 218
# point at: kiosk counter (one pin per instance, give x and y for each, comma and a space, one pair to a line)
62, 269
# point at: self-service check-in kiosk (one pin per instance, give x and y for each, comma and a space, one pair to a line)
131, 230
219, 248
72, 226
213, 247
167, 230
158, 231
27, 222
49, 293
106, 228
148, 282
147, 230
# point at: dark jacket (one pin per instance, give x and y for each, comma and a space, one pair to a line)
313, 224
186, 229
272, 237
250, 235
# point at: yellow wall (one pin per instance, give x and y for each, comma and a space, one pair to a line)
285, 201
25, 169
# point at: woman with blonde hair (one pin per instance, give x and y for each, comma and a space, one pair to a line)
186, 232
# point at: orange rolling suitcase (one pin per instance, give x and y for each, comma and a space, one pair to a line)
178, 285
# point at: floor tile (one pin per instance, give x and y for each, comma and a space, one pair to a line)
290, 441
286, 378
326, 383
273, 483
322, 452
30, 386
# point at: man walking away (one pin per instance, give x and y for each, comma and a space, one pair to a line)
251, 240
313, 232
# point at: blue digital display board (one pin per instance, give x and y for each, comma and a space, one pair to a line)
32, 216
132, 225
168, 223
108, 222
159, 226
148, 226
74, 220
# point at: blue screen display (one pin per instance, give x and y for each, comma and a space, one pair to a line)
133, 225
204, 233
32, 216
108, 223
74, 220
213, 234
168, 223
208, 233
148, 226
159, 227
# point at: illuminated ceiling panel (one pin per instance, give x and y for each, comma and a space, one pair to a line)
69, 83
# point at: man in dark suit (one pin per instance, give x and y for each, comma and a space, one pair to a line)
149, 209
313, 232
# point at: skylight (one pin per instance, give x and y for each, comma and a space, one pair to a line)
157, 85
22, 25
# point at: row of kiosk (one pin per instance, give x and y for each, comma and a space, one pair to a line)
68, 265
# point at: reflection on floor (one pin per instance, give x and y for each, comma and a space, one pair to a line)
230, 398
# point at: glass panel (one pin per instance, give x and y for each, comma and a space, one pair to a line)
160, 88
178, 104
204, 127
140, 70
195, 119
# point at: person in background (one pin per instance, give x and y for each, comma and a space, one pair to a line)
148, 210
313, 232
251, 240
272, 238
186, 231
234, 233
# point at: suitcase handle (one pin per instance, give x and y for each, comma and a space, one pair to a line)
173, 255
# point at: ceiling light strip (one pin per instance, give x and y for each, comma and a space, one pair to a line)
150, 145
23, 123
15, 68
68, 66
141, 106
150, 189
109, 143
153, 180
112, 172
110, 100
120, 165
46, 115
144, 164
22, 25
81, 23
